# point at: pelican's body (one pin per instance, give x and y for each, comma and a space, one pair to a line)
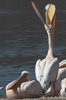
46, 71
23, 88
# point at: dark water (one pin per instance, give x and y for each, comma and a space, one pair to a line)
23, 39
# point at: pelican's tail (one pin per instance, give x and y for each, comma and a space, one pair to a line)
62, 64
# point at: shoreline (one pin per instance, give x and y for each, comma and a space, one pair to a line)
41, 98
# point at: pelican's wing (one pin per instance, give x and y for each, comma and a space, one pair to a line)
62, 64
50, 14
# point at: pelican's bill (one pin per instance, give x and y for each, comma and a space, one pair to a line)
62, 64
17, 82
50, 14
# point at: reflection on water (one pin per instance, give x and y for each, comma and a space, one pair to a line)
23, 41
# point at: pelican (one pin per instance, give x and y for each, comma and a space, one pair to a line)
23, 87
46, 70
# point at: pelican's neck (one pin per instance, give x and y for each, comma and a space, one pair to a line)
50, 45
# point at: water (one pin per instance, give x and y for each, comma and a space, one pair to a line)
23, 39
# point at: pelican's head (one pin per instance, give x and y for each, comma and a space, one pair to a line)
50, 18
24, 77
26, 73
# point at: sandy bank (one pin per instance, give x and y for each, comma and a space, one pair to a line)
42, 98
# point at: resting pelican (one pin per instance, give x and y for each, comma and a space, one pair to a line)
46, 70
23, 87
